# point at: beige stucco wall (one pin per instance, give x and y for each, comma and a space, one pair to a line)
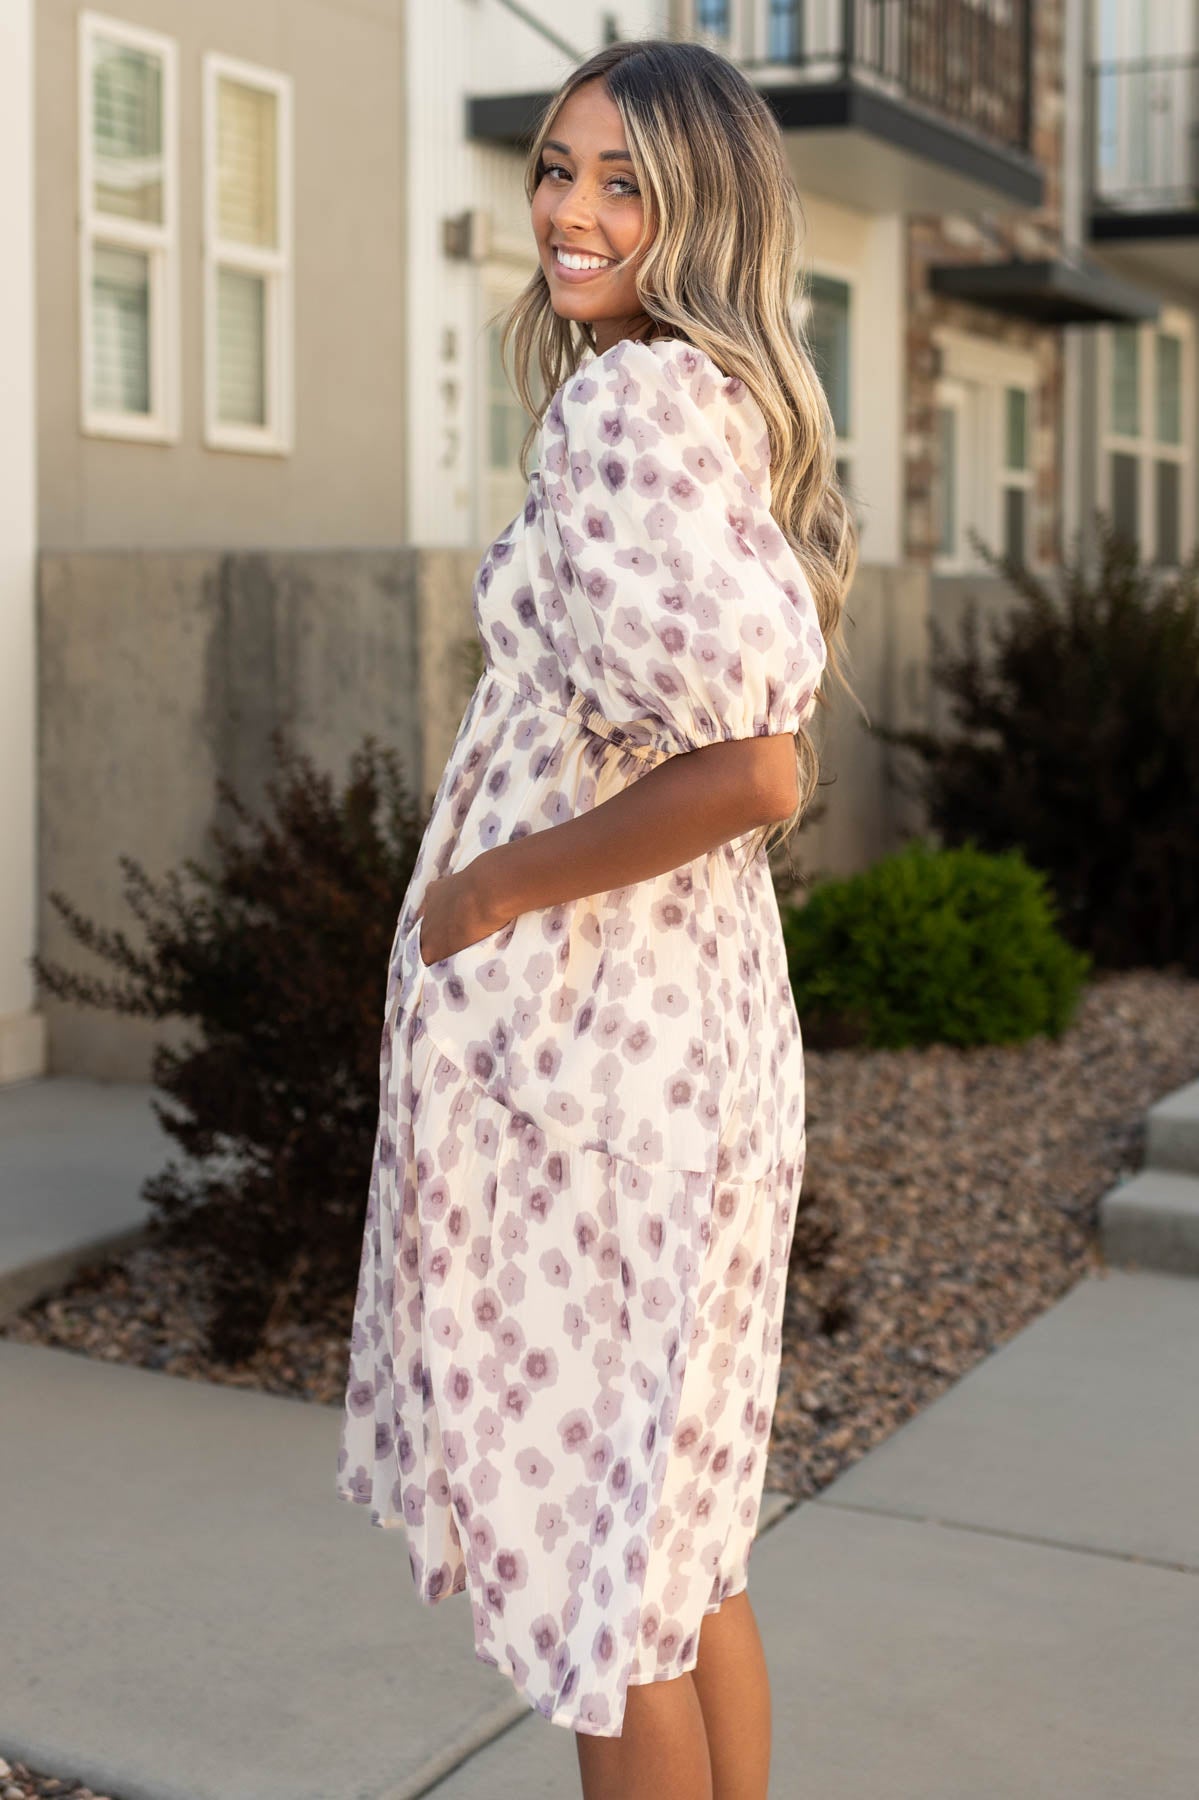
343, 482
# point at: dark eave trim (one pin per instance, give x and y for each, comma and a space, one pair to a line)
1050, 290
808, 106
1113, 224
800, 106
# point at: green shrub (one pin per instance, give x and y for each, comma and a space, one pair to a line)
1076, 740
278, 955
952, 946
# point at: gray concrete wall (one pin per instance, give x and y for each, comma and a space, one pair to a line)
159, 672
866, 814
343, 484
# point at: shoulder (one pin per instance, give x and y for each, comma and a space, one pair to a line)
670, 364
676, 386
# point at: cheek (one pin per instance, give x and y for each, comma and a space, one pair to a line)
624, 231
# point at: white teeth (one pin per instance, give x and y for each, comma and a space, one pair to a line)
572, 261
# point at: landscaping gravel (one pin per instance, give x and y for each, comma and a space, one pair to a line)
950, 1196
19, 1782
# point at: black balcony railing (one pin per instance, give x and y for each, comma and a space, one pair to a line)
965, 60
1144, 134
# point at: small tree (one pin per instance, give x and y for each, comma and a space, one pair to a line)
278, 955
1077, 742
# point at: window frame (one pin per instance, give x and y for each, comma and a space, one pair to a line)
504, 276
1144, 446
276, 266
847, 441
974, 377
158, 243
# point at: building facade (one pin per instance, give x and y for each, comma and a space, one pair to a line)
269, 250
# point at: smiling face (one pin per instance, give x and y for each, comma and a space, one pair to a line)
588, 205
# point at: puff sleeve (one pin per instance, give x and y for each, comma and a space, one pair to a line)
684, 607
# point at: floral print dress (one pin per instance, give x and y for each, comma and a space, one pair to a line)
567, 1335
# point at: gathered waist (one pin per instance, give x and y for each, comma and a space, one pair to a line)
580, 709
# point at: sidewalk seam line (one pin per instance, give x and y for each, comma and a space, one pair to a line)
1016, 1537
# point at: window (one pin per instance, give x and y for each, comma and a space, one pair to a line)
1147, 437
983, 478
1015, 477
128, 232
826, 324
504, 420
712, 17
248, 386
784, 31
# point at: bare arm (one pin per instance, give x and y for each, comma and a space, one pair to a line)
686, 806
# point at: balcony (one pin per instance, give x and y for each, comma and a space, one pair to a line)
1143, 141
886, 105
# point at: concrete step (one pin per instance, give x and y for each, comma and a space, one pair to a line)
1152, 1222
1173, 1135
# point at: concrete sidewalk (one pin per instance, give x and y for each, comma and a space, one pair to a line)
999, 1601
73, 1156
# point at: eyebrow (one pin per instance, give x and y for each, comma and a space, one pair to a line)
605, 155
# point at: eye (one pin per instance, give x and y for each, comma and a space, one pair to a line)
627, 188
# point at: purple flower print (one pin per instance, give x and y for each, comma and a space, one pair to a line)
607, 1407
613, 472
556, 1269
574, 1324
649, 478
511, 1283
535, 1469
668, 415
482, 1538
574, 1432
360, 1398
540, 1367
511, 1568
551, 1526
515, 1400
484, 1481
444, 1327
489, 1430
459, 1387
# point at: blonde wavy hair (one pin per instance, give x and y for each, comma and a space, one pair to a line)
723, 271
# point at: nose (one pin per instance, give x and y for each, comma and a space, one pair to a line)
572, 211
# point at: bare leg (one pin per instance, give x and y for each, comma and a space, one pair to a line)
661, 1753
734, 1694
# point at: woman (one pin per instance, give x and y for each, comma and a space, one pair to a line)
566, 1348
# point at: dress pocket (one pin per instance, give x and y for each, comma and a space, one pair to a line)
492, 941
